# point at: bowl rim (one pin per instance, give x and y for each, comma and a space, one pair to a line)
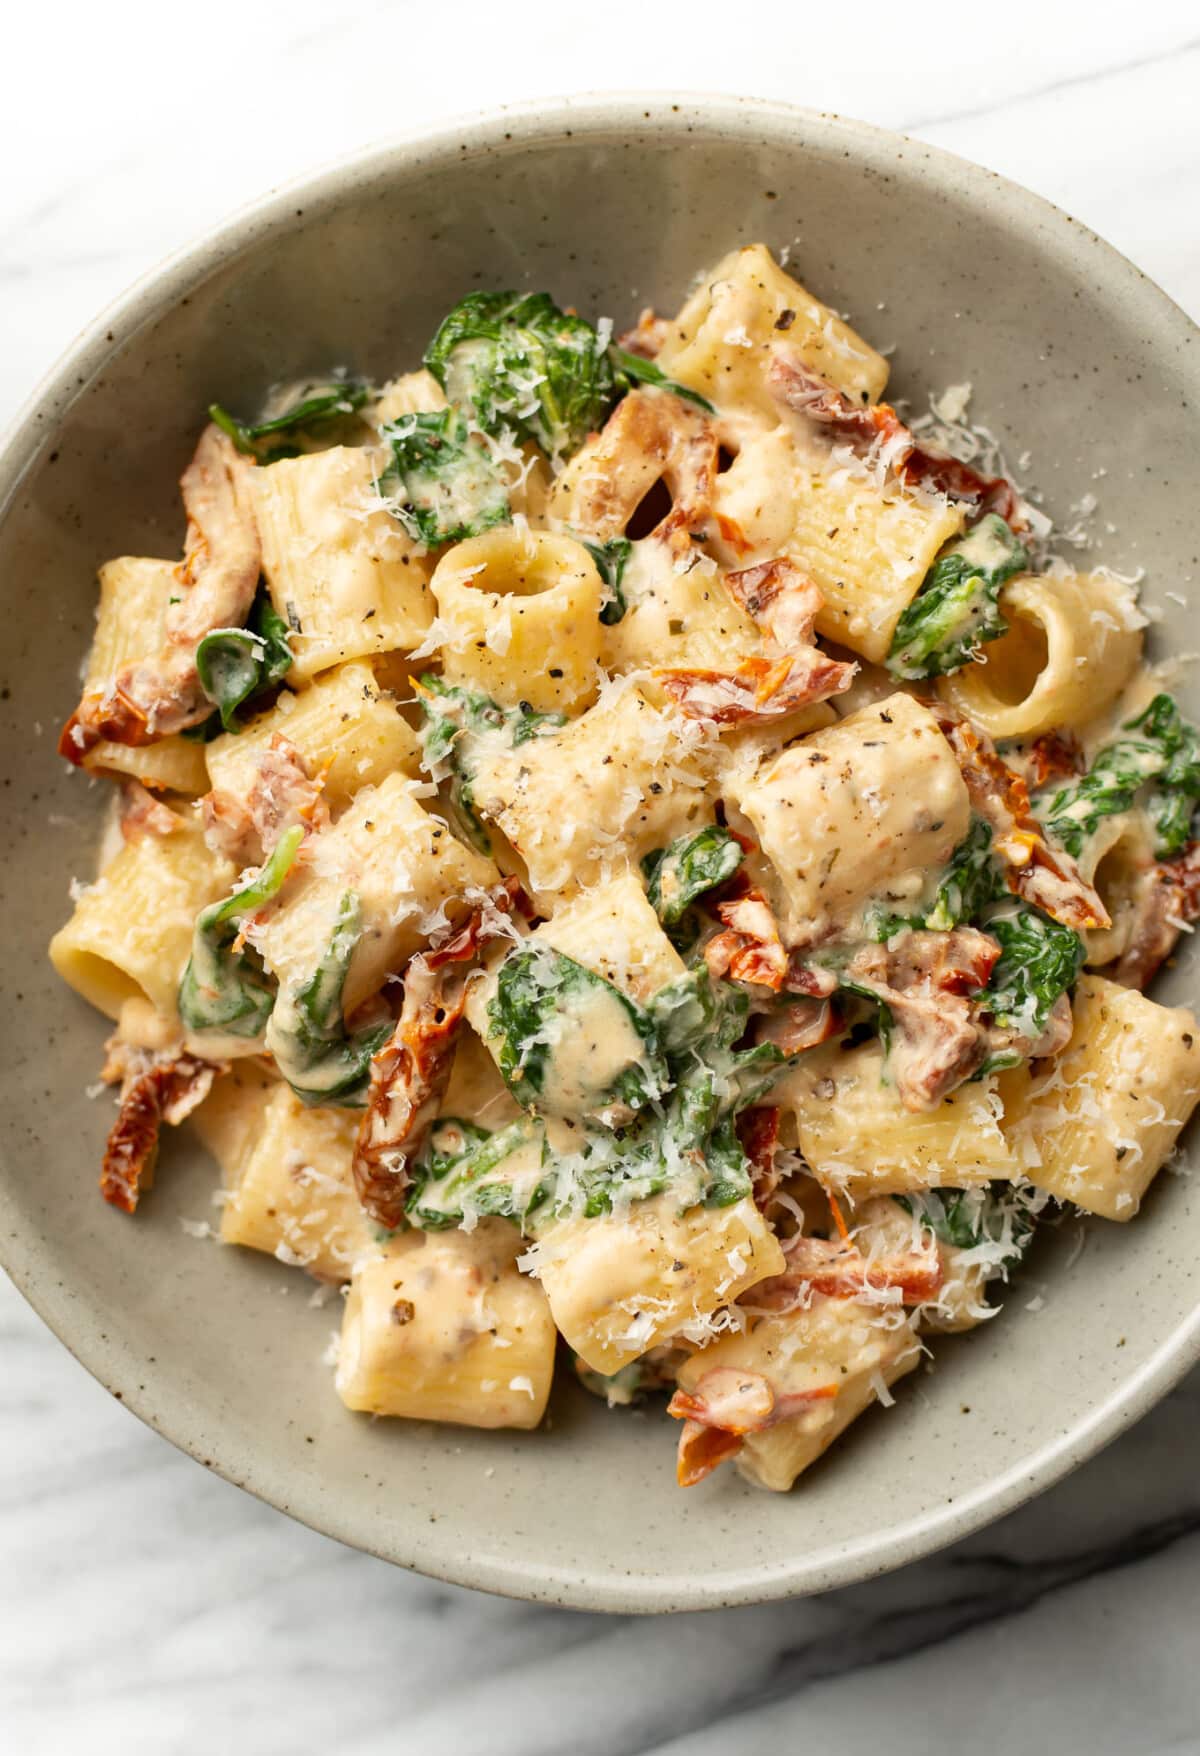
31, 430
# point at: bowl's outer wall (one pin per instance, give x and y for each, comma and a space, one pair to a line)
611, 206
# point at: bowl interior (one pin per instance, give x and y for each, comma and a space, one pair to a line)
609, 205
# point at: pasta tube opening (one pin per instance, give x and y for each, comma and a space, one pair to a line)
522, 616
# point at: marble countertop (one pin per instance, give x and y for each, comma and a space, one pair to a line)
148, 1606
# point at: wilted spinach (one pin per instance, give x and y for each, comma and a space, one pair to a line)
957, 608
316, 404
321, 1060
441, 484
611, 559
226, 989
515, 362
678, 874
236, 664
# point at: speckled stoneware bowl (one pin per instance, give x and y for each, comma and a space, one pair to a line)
610, 203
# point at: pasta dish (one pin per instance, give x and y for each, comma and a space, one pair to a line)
638, 842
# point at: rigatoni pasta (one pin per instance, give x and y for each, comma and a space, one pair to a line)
131, 933
443, 1328
504, 599
135, 593
345, 578
1096, 1125
1073, 643
720, 343
608, 838
346, 725
860, 1140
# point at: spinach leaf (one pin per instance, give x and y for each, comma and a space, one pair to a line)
462, 1170
692, 864
699, 1022
318, 402
227, 990
971, 880
321, 1060
730, 1174
235, 664
611, 559
1171, 802
1164, 759
572, 1043
206, 731
515, 362
967, 1218
1108, 789
693, 1011
686, 1139
453, 718
631, 369
690, 1143
1039, 960
441, 483
957, 607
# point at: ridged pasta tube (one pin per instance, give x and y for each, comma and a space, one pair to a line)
620, 779
291, 1193
858, 813
521, 612
842, 1347
444, 1328
131, 932
857, 1136
868, 549
720, 342
344, 725
1095, 1125
134, 593
622, 1282
340, 569
1072, 645
400, 862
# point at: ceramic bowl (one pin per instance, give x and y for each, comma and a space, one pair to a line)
610, 203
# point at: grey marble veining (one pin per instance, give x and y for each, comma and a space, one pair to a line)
148, 1606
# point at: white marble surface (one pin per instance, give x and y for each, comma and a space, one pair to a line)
145, 1605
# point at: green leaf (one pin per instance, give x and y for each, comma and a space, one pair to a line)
321, 1060
514, 362
631, 369
228, 661
1107, 790
206, 731
690, 1012
686, 1139
611, 559
1171, 802
235, 664
316, 404
226, 990
692, 864
1040, 959
557, 1021
463, 1170
957, 608
1167, 753
441, 483
967, 1218
970, 882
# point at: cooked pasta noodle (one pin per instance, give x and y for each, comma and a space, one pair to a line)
597, 905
